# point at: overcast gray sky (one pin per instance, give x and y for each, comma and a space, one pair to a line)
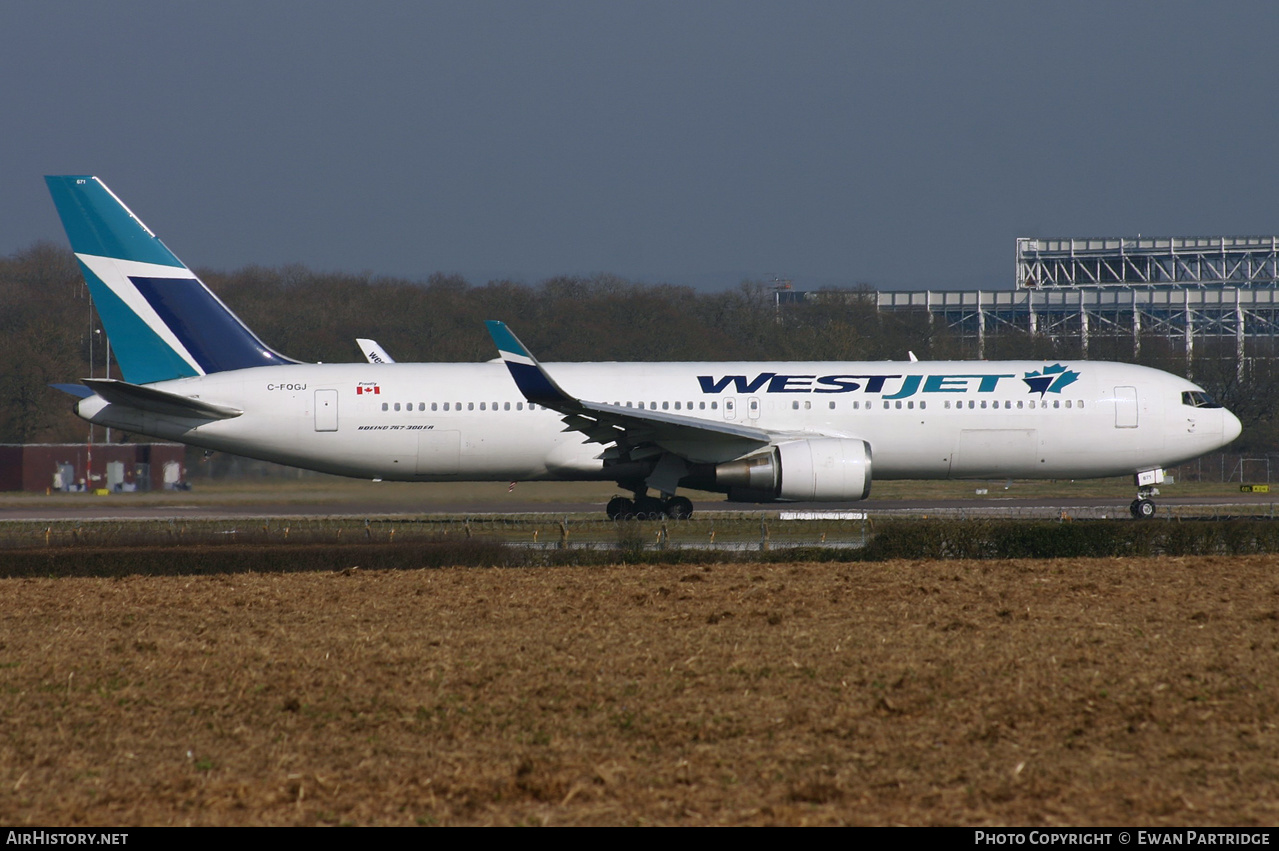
896, 144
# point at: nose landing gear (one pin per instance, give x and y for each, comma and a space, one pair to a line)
1143, 507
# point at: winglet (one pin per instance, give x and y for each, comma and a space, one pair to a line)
533, 381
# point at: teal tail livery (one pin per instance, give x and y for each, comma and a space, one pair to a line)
163, 322
757, 431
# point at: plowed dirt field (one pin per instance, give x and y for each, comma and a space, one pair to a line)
1139, 692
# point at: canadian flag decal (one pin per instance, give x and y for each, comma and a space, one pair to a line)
369, 387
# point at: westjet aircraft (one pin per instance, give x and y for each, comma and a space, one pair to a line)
759, 431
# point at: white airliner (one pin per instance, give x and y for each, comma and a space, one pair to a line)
758, 431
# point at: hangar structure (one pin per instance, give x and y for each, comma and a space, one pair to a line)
1209, 296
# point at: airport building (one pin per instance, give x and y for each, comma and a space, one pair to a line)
1205, 296
101, 468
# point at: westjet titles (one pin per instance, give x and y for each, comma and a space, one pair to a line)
1052, 379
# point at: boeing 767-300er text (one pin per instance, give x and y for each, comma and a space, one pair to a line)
758, 431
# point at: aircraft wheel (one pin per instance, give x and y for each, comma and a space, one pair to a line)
1142, 509
619, 508
679, 508
648, 508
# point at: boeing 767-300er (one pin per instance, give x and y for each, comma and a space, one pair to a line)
758, 431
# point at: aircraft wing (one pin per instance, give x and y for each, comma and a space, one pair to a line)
635, 433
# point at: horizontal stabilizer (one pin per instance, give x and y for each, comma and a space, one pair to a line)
158, 401
77, 390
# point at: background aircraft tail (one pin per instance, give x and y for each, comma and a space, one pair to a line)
163, 322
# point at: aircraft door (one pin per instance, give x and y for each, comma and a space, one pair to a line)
752, 407
730, 408
326, 410
1125, 407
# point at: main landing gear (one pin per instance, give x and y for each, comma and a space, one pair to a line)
649, 508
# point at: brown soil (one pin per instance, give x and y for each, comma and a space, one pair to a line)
1033, 693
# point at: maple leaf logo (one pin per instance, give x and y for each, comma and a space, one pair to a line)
1051, 379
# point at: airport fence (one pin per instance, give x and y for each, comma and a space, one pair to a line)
728, 531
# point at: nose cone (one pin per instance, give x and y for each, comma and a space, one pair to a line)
1230, 427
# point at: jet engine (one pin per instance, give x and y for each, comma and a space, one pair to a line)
827, 469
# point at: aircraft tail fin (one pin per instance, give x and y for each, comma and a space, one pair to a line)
373, 351
162, 321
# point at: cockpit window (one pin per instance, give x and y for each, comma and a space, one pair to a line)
1198, 399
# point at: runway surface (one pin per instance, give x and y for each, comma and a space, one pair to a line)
62, 508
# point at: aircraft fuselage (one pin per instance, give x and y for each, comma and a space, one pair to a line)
926, 420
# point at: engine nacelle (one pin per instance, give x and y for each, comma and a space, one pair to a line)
825, 469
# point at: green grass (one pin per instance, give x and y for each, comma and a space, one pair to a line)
318, 489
